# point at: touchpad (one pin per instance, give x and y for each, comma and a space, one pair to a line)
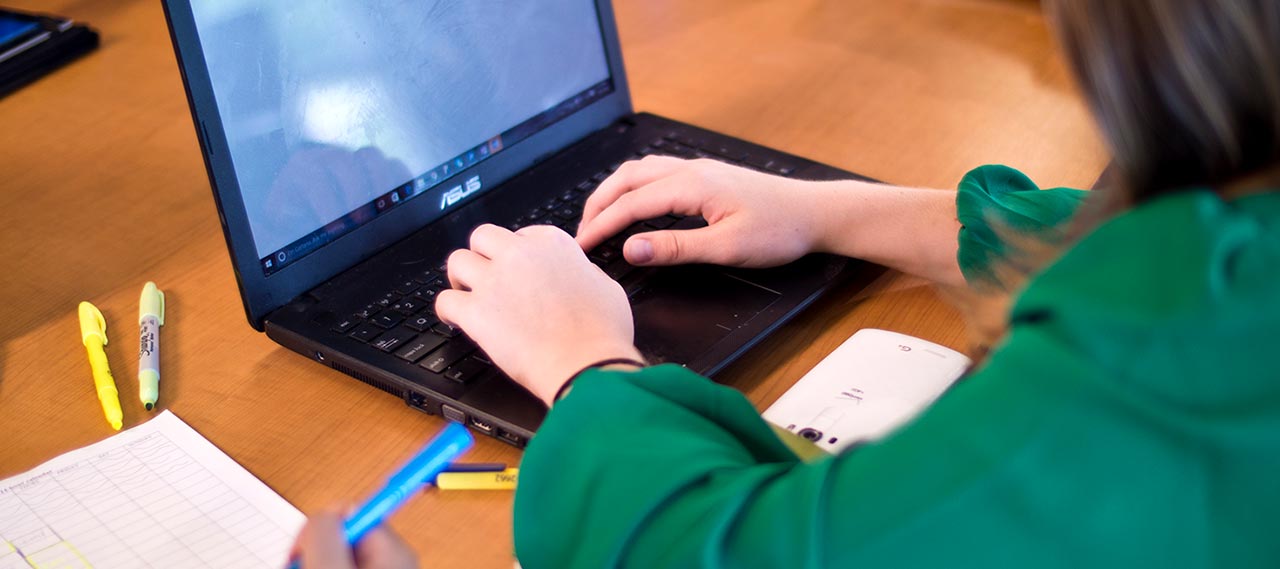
682, 312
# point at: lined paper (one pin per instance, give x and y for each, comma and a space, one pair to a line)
157, 495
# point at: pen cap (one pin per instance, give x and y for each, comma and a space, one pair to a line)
92, 324
151, 303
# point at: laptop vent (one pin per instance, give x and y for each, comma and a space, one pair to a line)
383, 385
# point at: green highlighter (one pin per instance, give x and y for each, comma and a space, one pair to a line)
150, 319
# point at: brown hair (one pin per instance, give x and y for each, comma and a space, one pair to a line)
1186, 92
1187, 96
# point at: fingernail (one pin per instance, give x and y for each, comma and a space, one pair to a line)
639, 251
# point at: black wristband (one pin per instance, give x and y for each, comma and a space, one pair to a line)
609, 362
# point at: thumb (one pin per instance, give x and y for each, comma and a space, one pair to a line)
678, 247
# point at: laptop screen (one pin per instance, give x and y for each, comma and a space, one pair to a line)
337, 112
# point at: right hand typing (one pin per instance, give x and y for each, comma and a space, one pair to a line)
754, 219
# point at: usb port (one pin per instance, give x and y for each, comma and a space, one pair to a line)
481, 425
512, 438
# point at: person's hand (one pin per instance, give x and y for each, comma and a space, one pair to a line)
536, 306
754, 219
321, 545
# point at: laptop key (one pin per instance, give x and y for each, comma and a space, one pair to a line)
449, 354
419, 347
406, 287
427, 296
408, 305
365, 332
619, 269
344, 326
465, 370
392, 339
422, 322
367, 312
605, 254
661, 222
387, 320
426, 277
446, 330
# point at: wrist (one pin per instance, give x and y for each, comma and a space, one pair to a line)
549, 385
836, 216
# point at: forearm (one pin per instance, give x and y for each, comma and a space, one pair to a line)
911, 230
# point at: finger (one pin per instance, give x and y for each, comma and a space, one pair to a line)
464, 268
381, 548
489, 240
679, 247
453, 307
665, 196
321, 545
632, 175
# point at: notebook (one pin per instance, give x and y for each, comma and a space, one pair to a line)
156, 495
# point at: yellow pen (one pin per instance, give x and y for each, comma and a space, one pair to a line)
150, 319
503, 480
93, 332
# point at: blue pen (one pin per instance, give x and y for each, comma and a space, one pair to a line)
451, 442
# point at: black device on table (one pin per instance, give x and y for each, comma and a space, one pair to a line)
351, 149
34, 44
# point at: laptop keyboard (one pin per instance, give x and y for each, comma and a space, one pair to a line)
402, 320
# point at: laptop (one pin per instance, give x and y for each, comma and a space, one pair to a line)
352, 145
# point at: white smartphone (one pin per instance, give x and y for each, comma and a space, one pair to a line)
872, 384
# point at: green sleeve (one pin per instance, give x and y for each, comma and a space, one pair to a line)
663, 468
996, 201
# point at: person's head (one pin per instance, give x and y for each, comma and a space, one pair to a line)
1186, 92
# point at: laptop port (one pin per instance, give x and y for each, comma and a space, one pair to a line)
512, 438
481, 426
418, 402
453, 413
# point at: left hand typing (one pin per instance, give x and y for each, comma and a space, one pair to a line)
536, 306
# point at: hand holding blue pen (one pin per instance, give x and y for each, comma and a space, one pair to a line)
423, 468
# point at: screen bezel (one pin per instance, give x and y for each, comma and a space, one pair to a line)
262, 294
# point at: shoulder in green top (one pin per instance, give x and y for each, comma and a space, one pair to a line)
1130, 418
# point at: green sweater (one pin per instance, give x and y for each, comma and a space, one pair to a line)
1131, 418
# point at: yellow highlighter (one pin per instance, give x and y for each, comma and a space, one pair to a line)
502, 480
93, 332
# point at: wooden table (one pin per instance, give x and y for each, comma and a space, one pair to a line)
102, 188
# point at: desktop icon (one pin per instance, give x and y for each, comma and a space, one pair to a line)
280, 257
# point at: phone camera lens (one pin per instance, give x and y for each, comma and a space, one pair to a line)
810, 434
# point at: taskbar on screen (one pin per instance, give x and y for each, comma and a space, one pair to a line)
441, 174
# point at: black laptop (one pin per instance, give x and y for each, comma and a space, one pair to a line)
352, 145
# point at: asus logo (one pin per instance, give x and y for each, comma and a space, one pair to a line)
456, 193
